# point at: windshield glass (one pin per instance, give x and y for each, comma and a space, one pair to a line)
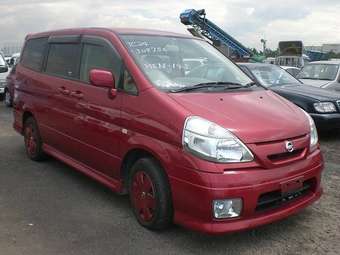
2, 61
319, 72
271, 75
173, 63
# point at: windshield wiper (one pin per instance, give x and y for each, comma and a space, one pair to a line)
250, 84
218, 84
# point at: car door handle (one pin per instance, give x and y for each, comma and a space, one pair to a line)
77, 94
64, 91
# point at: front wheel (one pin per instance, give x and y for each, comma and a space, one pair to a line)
150, 194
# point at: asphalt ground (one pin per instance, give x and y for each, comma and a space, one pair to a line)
48, 208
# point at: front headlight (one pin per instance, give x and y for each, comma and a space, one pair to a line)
209, 141
314, 138
324, 107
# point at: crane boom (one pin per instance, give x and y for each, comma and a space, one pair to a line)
201, 25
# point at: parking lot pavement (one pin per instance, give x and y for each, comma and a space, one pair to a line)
48, 208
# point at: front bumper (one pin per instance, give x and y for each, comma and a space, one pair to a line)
326, 121
193, 202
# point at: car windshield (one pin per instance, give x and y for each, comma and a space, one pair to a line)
172, 63
2, 61
271, 75
319, 72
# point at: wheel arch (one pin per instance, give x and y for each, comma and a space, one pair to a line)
131, 157
27, 114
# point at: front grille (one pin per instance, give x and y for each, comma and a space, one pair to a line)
285, 155
275, 199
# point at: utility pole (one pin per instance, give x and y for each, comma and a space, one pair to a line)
264, 42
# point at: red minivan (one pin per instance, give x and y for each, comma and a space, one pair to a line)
169, 120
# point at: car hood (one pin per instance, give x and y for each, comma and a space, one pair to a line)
254, 116
308, 91
315, 83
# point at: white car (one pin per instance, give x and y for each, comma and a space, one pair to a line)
291, 69
322, 74
4, 70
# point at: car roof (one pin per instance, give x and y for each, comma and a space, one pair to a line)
117, 31
329, 62
290, 67
254, 64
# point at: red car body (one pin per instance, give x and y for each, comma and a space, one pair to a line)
98, 135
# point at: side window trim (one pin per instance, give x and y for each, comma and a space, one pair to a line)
47, 51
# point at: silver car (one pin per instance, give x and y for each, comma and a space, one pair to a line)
322, 74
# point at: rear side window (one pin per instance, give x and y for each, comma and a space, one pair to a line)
33, 54
96, 57
63, 60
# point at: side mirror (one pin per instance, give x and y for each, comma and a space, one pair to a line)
3, 69
103, 79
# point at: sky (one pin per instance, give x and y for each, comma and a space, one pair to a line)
312, 21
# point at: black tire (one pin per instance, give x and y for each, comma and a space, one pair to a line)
162, 214
32, 135
8, 99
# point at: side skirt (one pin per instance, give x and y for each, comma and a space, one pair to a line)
113, 184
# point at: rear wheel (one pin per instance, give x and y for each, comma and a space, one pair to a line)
8, 99
33, 142
150, 195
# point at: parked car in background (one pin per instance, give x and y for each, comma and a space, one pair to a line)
8, 60
9, 88
322, 105
205, 148
269, 60
14, 59
291, 69
3, 74
322, 74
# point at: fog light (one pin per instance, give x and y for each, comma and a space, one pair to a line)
228, 208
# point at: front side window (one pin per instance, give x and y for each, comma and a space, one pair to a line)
319, 72
129, 84
63, 60
271, 75
95, 57
174, 63
33, 54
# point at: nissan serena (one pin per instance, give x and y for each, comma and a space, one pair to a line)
201, 145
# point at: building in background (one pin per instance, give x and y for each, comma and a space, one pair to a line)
326, 47
317, 48
334, 47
